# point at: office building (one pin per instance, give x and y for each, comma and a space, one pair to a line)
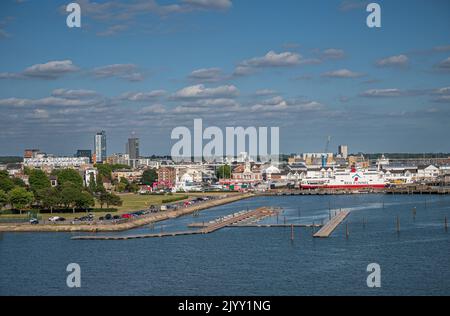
100, 147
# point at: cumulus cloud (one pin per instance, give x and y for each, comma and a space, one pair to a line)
207, 75
201, 92
333, 53
74, 94
50, 70
278, 103
153, 109
393, 61
142, 96
382, 93
129, 72
273, 59
444, 65
342, 74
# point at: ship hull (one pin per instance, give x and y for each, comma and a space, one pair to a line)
346, 187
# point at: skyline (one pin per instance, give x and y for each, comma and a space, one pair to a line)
148, 67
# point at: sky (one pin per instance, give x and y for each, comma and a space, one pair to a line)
312, 68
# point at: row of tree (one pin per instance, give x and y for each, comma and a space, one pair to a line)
70, 192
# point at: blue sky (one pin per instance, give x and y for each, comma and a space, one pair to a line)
313, 68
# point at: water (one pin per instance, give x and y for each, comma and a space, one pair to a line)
249, 261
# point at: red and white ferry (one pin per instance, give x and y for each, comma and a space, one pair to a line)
347, 179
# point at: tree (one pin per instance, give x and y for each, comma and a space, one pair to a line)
113, 199
102, 197
69, 175
84, 200
38, 180
6, 184
3, 199
20, 198
70, 194
149, 177
224, 172
50, 198
19, 182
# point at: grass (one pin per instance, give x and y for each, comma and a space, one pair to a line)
131, 202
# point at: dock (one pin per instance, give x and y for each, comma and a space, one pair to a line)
228, 221
329, 227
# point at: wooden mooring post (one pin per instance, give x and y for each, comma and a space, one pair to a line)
347, 233
292, 232
398, 224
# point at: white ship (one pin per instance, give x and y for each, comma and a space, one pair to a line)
347, 179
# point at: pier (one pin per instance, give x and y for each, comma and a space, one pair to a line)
329, 227
211, 227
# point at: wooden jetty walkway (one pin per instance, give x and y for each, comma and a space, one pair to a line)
212, 227
329, 227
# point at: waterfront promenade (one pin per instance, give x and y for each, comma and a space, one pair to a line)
131, 224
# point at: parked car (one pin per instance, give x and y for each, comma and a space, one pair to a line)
34, 221
54, 219
108, 217
127, 216
116, 217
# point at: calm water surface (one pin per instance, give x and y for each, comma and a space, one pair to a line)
249, 261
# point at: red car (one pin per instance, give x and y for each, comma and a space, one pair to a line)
127, 216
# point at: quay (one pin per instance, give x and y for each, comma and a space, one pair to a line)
208, 229
329, 227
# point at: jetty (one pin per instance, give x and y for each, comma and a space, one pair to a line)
214, 226
329, 227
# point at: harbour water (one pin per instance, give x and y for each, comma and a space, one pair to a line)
250, 261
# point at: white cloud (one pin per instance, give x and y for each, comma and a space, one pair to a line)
382, 93
333, 53
142, 96
273, 59
444, 65
207, 75
50, 70
342, 73
200, 91
128, 72
393, 61
280, 104
74, 94
153, 109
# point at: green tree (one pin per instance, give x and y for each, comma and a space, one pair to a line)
105, 171
70, 194
50, 198
84, 200
224, 172
113, 199
69, 175
6, 184
102, 197
20, 198
149, 177
38, 180
19, 182
4, 200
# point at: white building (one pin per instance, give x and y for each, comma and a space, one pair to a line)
56, 162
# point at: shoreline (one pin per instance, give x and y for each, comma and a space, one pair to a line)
94, 228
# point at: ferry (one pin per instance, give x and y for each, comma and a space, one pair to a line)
347, 179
